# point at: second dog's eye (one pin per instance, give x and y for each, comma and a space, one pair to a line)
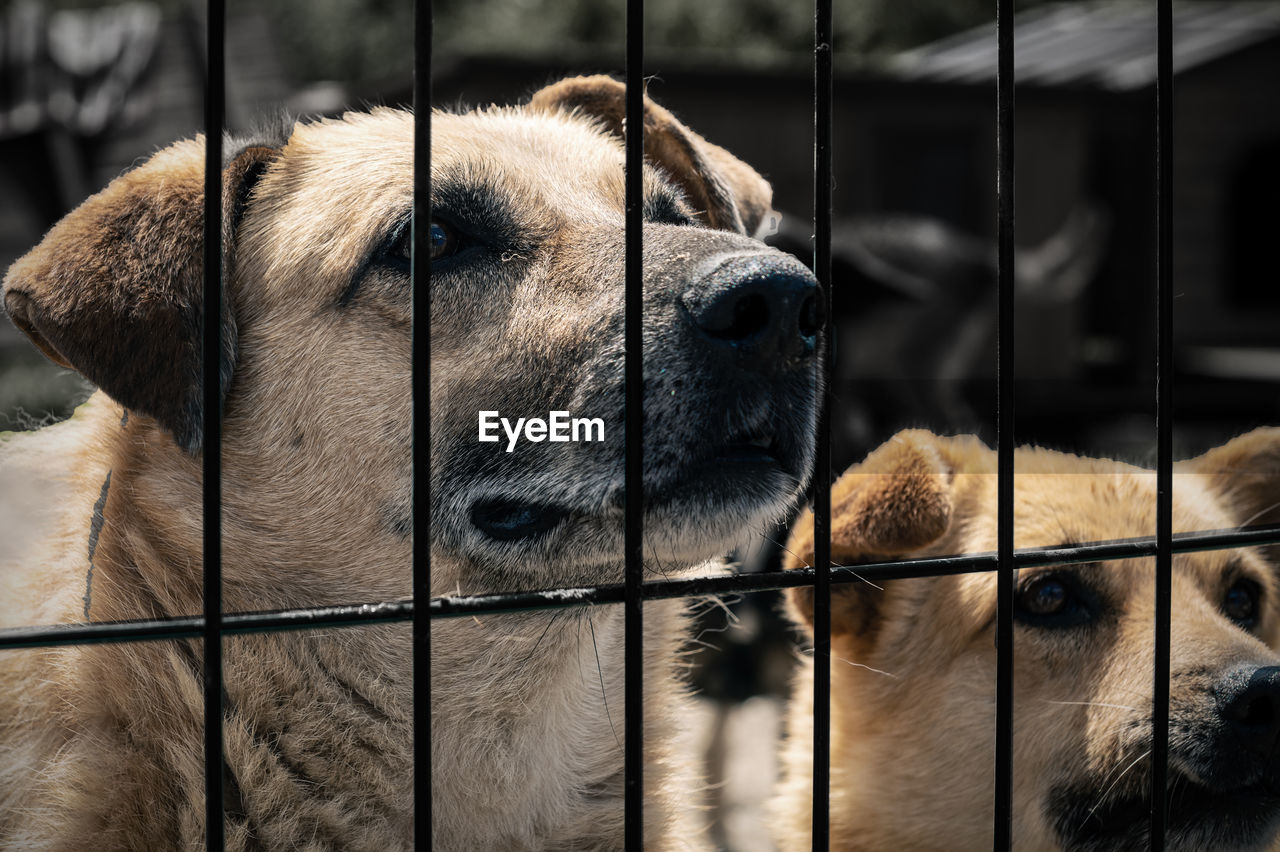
1241, 603
1052, 600
1045, 597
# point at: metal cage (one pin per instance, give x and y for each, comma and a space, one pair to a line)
214, 624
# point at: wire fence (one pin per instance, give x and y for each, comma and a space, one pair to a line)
213, 624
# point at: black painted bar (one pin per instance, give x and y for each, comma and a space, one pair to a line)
187, 627
211, 630
633, 662
1164, 420
421, 293
1005, 574
822, 179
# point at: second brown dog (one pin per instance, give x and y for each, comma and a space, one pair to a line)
913, 661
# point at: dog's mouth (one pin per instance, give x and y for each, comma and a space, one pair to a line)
751, 464
752, 449
1242, 818
699, 492
744, 459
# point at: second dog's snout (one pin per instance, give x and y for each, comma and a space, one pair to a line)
765, 308
1249, 703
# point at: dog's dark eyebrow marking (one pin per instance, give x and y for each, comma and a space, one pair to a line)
479, 209
486, 210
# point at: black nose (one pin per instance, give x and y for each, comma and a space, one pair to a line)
1249, 705
766, 309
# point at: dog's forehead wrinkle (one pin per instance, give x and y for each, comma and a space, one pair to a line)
582, 164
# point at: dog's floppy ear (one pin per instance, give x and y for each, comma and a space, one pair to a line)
114, 289
1245, 472
726, 192
897, 501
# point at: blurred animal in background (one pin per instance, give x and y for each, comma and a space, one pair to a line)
914, 304
913, 660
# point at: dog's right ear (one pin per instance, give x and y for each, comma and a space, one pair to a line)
726, 192
1245, 472
897, 501
114, 290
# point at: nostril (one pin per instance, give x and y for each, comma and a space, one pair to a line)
1249, 702
750, 314
811, 315
1259, 712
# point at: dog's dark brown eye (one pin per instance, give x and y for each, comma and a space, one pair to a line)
1044, 597
1055, 600
444, 240
1241, 602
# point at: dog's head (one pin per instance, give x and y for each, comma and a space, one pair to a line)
914, 661
527, 319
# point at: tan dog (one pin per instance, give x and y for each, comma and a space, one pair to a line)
100, 746
913, 664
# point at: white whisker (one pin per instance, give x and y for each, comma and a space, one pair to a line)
1259, 514
849, 568
1093, 704
809, 653
1103, 798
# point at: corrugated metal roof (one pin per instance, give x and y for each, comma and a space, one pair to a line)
1111, 45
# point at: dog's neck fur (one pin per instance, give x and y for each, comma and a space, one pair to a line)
550, 757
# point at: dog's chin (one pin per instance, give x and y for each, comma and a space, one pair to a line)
729, 505
1246, 818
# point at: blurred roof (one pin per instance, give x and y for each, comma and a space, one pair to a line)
1110, 45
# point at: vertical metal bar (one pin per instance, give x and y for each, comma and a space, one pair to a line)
1164, 420
421, 290
633, 697
214, 106
822, 109
1005, 576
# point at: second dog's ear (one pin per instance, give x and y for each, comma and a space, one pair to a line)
725, 192
897, 501
114, 290
1245, 472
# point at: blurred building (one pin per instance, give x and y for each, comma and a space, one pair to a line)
1086, 77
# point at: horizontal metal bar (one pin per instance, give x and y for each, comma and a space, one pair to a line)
454, 606
187, 627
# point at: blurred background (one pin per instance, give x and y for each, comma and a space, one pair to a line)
88, 88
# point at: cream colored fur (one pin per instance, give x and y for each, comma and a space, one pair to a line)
100, 745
